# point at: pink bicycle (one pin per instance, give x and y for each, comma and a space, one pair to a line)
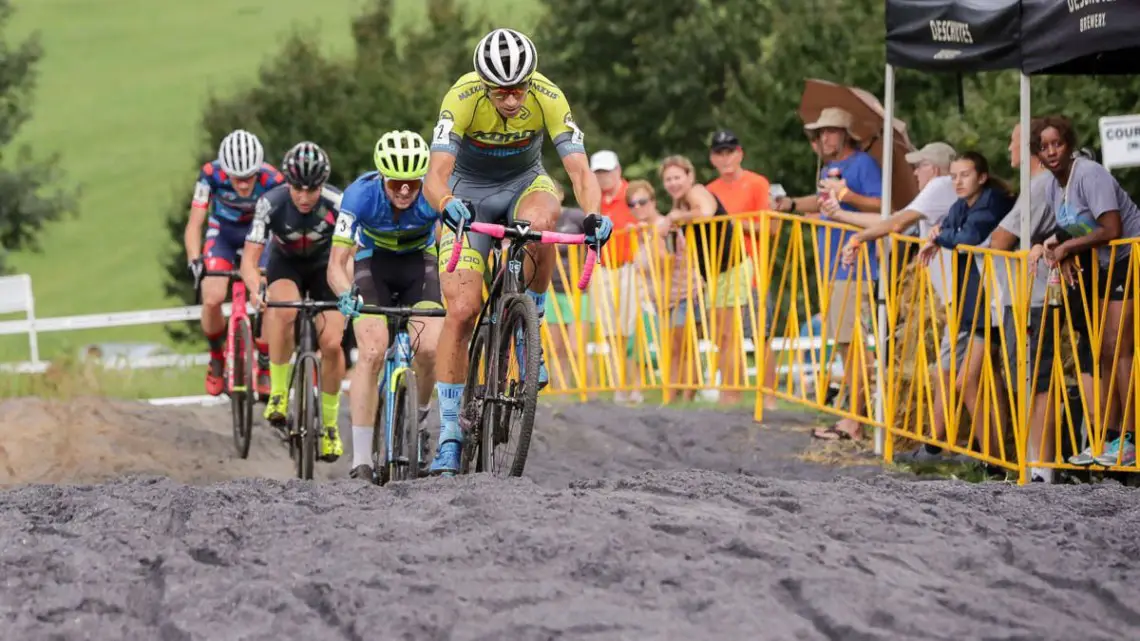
493, 399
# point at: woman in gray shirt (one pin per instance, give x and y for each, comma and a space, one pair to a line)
1092, 211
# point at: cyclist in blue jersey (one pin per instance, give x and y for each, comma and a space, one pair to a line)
385, 220
226, 192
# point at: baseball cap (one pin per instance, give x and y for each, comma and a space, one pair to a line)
604, 160
938, 154
724, 139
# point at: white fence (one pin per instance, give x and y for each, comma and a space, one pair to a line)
16, 297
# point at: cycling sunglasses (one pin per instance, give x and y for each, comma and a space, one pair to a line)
401, 186
500, 93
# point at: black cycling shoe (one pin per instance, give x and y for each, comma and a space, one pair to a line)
364, 473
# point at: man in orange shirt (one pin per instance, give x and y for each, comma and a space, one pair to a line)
615, 294
742, 191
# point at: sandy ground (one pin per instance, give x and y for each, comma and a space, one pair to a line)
630, 524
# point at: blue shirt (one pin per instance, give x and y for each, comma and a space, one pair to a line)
367, 218
215, 191
969, 225
864, 177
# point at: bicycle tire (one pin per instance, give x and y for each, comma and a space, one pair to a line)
472, 409
309, 413
405, 428
516, 308
243, 398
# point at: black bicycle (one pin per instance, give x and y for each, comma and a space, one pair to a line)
506, 334
398, 445
303, 424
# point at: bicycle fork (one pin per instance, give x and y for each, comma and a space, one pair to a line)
396, 361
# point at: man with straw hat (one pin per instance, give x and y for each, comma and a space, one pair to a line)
850, 180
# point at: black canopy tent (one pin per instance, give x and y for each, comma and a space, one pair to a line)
1086, 37
1074, 37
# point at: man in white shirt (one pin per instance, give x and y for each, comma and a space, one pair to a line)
935, 197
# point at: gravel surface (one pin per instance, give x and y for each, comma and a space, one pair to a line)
127, 521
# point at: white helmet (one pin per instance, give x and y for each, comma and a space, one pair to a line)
505, 57
401, 155
240, 154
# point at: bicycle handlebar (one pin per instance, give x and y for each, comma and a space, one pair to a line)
382, 310
500, 232
307, 305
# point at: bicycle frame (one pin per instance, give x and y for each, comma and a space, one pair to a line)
397, 358
239, 299
508, 279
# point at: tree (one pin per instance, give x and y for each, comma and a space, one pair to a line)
394, 80
29, 193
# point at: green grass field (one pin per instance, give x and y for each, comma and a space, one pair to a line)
121, 91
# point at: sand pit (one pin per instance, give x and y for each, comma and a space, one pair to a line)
726, 536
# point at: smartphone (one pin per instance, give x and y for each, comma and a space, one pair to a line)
775, 193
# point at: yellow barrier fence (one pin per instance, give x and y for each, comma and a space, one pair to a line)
962, 353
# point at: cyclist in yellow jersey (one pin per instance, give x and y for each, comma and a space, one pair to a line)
487, 149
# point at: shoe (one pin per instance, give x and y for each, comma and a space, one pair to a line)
1120, 452
276, 409
363, 473
1084, 458
920, 455
215, 383
446, 462
331, 447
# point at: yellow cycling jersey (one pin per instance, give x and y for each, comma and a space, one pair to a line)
488, 146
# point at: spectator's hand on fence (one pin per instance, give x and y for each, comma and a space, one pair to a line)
927, 253
850, 252
1069, 271
1036, 253
837, 187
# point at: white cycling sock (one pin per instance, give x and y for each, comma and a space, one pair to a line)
361, 445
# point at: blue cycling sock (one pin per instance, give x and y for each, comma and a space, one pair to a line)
450, 395
539, 302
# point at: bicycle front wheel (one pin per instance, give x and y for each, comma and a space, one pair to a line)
308, 399
405, 429
473, 410
515, 360
242, 394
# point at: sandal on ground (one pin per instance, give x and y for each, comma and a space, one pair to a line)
832, 433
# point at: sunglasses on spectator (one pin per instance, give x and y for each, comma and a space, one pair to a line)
639, 202
502, 93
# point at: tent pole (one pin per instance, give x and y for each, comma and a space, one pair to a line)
881, 446
1022, 428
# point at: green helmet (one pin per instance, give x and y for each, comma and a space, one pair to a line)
401, 155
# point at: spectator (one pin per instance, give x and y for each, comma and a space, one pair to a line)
561, 313
712, 240
858, 189
983, 201
744, 192
1091, 211
612, 287
1007, 238
935, 198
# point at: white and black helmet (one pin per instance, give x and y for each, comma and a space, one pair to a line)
306, 165
505, 57
241, 154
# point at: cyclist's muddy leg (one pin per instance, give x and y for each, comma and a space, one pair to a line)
542, 209
331, 328
371, 343
214, 290
425, 361
277, 328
